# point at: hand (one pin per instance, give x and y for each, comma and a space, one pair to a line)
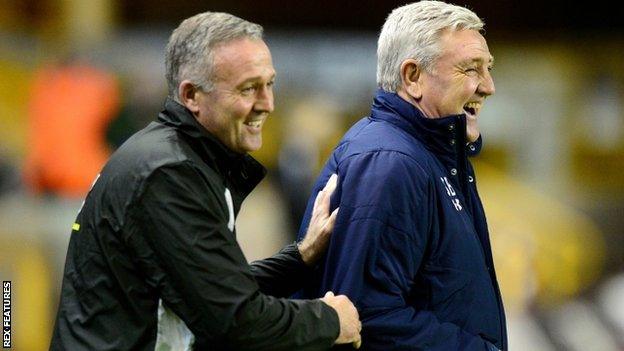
350, 325
315, 242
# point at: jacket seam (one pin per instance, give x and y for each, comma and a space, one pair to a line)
380, 150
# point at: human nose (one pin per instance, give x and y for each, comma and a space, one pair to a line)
486, 86
264, 101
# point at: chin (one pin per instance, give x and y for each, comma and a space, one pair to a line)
252, 148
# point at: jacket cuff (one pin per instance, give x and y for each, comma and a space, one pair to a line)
293, 251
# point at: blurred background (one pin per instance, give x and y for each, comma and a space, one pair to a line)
78, 77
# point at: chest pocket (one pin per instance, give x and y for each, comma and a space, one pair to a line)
230, 205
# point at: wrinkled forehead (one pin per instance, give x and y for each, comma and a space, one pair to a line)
464, 45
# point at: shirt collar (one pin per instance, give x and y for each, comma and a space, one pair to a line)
440, 135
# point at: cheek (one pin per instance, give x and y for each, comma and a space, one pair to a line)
474, 86
241, 110
234, 116
453, 90
462, 91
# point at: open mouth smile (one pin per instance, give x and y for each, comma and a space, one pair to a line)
472, 108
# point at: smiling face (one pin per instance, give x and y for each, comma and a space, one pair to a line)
460, 79
239, 103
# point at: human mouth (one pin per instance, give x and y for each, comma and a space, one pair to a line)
254, 124
472, 108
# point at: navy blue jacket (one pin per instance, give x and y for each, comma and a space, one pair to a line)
411, 245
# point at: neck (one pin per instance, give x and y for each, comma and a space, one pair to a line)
405, 96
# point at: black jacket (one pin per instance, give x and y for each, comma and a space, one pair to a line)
156, 232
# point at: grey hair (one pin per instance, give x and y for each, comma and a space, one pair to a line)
190, 50
413, 31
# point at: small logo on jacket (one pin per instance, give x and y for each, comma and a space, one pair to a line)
451, 192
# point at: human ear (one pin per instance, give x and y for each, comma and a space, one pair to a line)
187, 92
410, 78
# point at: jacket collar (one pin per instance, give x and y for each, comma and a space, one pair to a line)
242, 169
442, 136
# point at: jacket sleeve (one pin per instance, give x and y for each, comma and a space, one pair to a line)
377, 249
178, 231
281, 274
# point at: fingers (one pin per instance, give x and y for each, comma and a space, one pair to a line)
350, 324
316, 240
331, 184
319, 198
322, 201
327, 191
332, 220
358, 341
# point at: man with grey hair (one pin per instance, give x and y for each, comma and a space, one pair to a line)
153, 261
411, 246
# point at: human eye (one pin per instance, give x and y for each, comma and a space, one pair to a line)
471, 70
248, 89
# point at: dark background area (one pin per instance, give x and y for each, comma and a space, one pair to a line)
501, 16
554, 17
